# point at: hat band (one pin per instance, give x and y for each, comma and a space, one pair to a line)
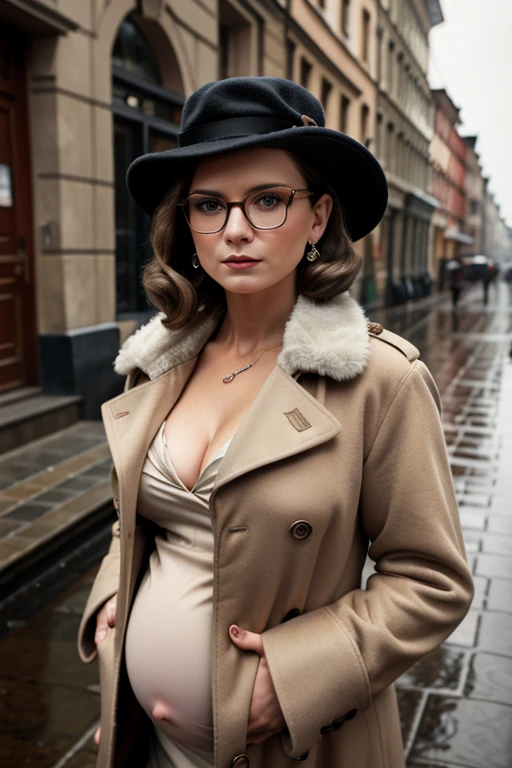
228, 129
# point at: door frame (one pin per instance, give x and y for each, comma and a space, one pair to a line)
15, 90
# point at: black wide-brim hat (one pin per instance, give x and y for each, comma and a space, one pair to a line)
244, 112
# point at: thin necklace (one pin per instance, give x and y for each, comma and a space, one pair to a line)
231, 376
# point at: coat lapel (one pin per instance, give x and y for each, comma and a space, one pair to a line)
283, 420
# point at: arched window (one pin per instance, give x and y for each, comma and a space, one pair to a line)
133, 53
146, 119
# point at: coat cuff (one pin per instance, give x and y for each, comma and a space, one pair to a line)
319, 677
105, 586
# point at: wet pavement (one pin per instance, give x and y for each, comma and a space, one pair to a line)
455, 704
49, 486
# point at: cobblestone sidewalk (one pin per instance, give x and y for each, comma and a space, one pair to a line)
456, 704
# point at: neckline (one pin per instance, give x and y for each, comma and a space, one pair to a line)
215, 457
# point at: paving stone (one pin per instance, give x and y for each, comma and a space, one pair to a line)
464, 732
465, 633
78, 483
494, 565
469, 518
20, 491
500, 595
490, 678
495, 633
8, 526
27, 512
499, 524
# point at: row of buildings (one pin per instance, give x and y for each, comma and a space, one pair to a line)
88, 85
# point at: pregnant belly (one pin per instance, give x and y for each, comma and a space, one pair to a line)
168, 644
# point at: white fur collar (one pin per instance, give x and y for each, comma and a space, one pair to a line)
330, 339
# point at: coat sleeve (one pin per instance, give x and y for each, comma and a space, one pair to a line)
106, 583
327, 664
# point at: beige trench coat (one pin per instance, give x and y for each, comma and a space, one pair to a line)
342, 449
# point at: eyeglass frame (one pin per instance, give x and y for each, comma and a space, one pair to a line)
241, 204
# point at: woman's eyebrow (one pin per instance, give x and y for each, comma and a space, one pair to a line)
257, 188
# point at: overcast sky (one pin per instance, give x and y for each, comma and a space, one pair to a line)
471, 56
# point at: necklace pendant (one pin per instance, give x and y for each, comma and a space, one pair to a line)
229, 378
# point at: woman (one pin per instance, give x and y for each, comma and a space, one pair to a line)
267, 435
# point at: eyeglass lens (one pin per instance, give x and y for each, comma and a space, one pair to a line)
265, 209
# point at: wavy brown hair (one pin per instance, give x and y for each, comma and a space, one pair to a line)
175, 288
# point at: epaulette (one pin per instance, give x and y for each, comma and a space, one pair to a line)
405, 347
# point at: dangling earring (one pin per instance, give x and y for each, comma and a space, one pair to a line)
195, 261
313, 254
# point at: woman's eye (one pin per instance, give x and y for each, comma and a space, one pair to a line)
209, 205
268, 200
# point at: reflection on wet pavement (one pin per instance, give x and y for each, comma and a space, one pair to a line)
49, 703
456, 703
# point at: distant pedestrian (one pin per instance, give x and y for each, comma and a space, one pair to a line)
454, 272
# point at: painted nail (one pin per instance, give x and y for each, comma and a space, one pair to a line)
100, 636
234, 630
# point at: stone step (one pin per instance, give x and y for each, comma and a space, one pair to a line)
52, 491
15, 395
26, 416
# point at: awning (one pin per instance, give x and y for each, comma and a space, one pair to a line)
454, 233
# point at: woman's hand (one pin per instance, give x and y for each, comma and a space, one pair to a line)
265, 715
105, 620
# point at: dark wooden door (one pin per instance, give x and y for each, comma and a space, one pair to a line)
18, 357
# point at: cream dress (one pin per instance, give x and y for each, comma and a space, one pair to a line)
168, 639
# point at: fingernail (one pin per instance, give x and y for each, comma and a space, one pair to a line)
100, 636
234, 630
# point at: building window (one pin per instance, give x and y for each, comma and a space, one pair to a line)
290, 59
146, 119
345, 17
379, 54
475, 207
305, 72
326, 92
378, 136
390, 159
344, 109
391, 66
235, 42
365, 37
365, 112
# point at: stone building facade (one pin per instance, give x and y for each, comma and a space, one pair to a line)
475, 193
85, 87
403, 132
448, 155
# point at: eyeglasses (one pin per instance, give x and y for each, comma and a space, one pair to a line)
265, 209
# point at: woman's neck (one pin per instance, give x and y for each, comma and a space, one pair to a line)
256, 321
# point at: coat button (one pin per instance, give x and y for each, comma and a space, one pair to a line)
292, 614
302, 757
375, 328
301, 529
241, 761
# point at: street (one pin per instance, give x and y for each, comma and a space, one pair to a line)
456, 704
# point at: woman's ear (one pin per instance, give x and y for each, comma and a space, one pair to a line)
321, 212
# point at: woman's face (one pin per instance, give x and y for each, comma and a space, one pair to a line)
277, 251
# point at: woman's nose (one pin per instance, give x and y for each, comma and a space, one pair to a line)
237, 227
